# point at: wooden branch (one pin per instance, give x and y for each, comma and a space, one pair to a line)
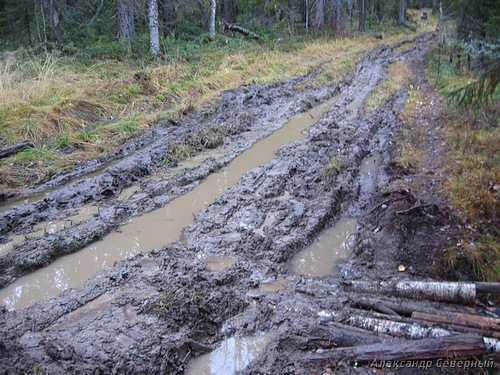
224, 26
462, 346
420, 206
14, 149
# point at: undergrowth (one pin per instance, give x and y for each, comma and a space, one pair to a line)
473, 183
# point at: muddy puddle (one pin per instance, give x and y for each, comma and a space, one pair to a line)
154, 229
217, 263
50, 227
370, 165
24, 199
325, 254
273, 286
232, 355
354, 106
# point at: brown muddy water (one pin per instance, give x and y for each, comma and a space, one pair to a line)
273, 286
22, 200
323, 256
332, 247
232, 355
154, 229
217, 263
370, 165
50, 227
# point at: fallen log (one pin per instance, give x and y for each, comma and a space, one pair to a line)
410, 331
343, 335
467, 320
377, 305
14, 149
432, 290
415, 331
407, 307
224, 26
462, 346
487, 288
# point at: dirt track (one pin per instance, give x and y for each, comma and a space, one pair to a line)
154, 312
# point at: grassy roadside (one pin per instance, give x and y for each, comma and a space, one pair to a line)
75, 109
470, 158
473, 183
466, 154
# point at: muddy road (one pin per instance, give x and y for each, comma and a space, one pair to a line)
162, 264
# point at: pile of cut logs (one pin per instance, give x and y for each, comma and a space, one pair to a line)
413, 321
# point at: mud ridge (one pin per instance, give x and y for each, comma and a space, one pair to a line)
153, 313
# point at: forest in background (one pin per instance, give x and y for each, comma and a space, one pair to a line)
84, 27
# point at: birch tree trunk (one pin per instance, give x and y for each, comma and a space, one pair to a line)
154, 32
213, 7
126, 23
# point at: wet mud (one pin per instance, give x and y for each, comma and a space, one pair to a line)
222, 292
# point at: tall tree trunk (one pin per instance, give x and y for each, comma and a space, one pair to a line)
362, 15
307, 17
165, 13
213, 8
230, 11
27, 21
126, 22
320, 14
402, 12
338, 16
52, 7
154, 33
41, 27
350, 6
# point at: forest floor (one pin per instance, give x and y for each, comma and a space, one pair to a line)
230, 276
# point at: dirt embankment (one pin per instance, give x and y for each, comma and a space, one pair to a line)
153, 313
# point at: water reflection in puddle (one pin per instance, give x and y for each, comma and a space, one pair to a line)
324, 255
233, 354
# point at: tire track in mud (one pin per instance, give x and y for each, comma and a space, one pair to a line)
152, 313
244, 116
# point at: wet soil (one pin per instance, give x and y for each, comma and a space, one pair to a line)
229, 279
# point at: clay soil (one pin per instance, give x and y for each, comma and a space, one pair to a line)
154, 312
